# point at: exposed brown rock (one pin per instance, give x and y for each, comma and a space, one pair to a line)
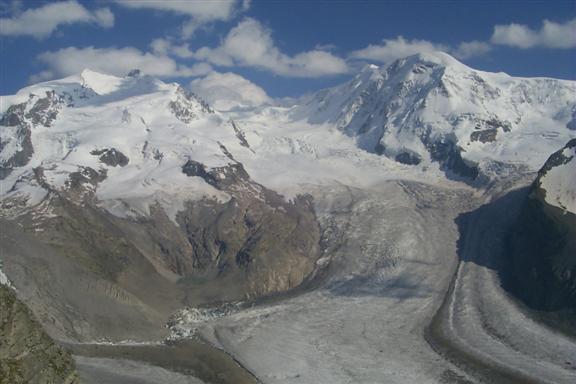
27, 354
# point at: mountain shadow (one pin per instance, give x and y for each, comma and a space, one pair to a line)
531, 245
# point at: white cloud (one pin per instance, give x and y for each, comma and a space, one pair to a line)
104, 17
225, 91
161, 46
250, 44
114, 61
550, 35
246, 4
397, 48
166, 47
206, 10
199, 12
470, 49
41, 76
393, 49
43, 21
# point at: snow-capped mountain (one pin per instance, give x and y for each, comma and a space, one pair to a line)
133, 187
127, 139
123, 138
152, 156
124, 200
432, 108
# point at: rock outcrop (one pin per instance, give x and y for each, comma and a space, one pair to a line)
27, 354
542, 246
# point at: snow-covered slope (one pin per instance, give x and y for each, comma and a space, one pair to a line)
132, 176
126, 141
430, 107
87, 162
424, 117
558, 178
129, 137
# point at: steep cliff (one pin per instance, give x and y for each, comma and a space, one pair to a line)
542, 245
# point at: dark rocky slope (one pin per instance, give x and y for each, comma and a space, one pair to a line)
542, 249
27, 354
89, 275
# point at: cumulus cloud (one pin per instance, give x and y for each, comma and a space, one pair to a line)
199, 12
114, 61
250, 44
550, 35
246, 4
393, 49
470, 49
225, 91
166, 47
41, 22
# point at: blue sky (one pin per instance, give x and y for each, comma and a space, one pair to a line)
274, 47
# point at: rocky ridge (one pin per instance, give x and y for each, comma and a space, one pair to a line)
542, 244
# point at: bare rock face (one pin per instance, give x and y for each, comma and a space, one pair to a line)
45, 109
409, 158
487, 130
449, 155
27, 354
269, 246
102, 276
17, 122
111, 157
485, 136
188, 106
255, 244
258, 239
14, 118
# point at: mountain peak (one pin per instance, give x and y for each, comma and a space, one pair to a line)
369, 68
437, 57
99, 82
422, 62
430, 108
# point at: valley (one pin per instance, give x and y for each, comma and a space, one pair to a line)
367, 233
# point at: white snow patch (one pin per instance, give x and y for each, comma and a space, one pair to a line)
560, 183
3, 278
